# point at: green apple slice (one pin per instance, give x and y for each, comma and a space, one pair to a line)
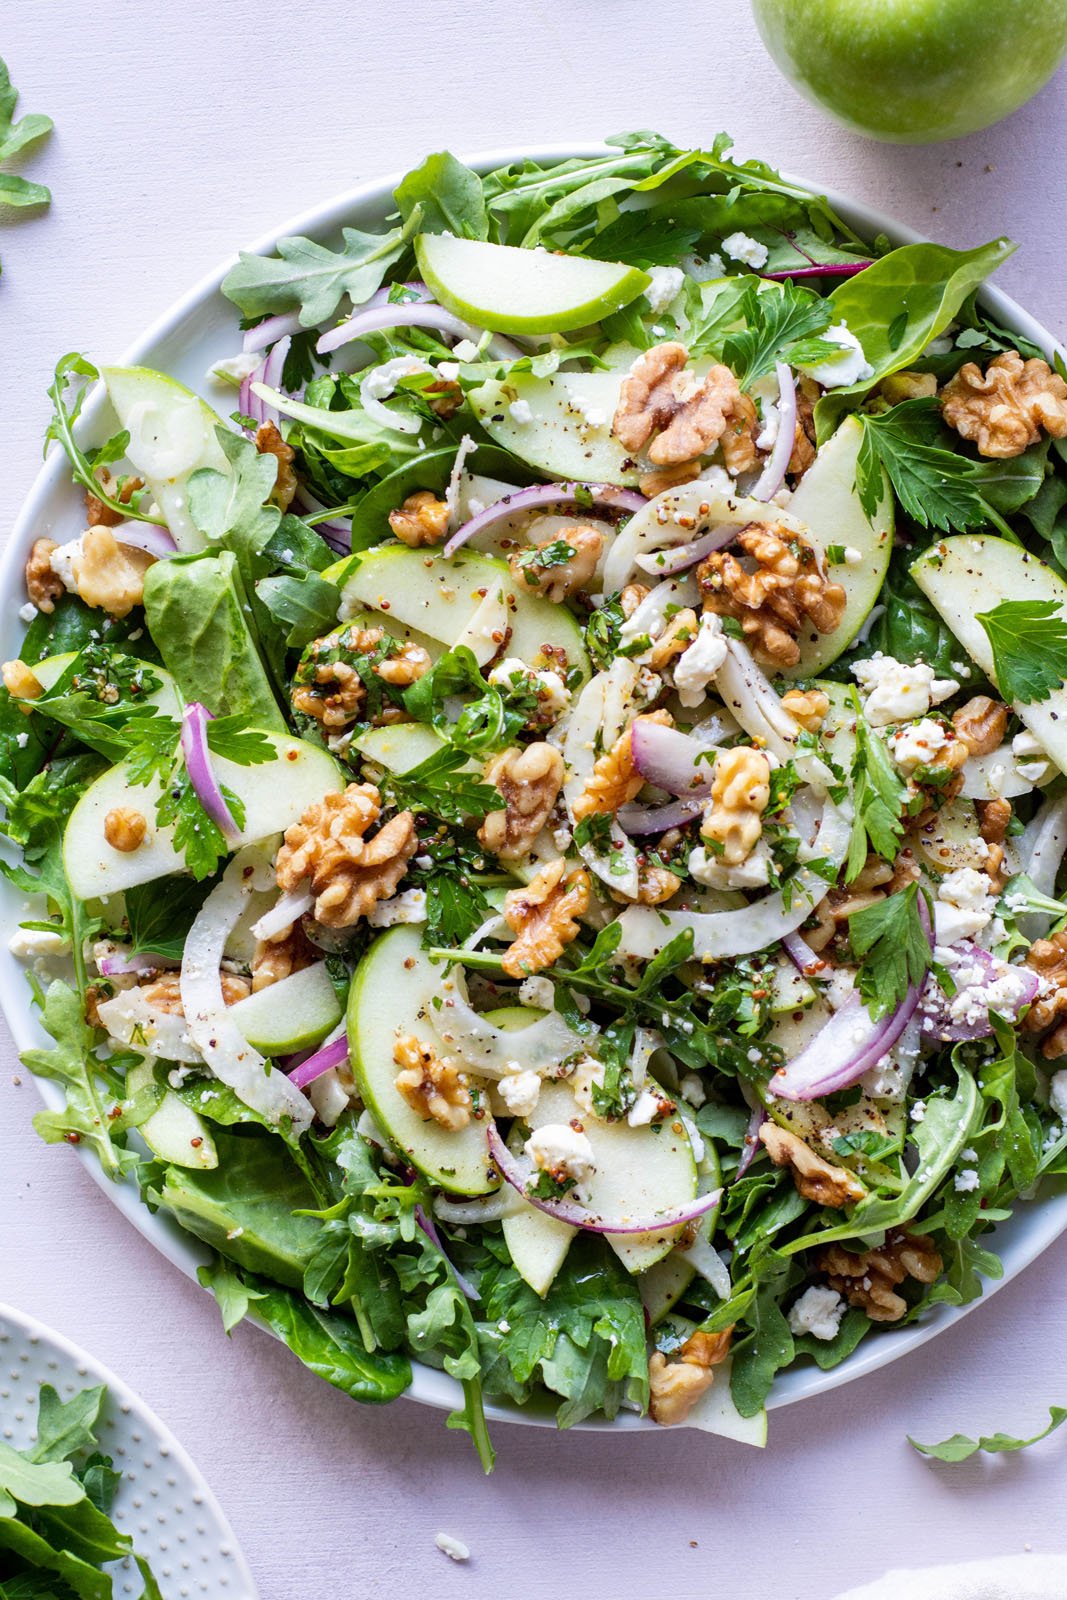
827, 502
172, 434
393, 992
275, 794
49, 671
567, 434
715, 1411
440, 599
975, 572
524, 291
293, 1014
174, 1132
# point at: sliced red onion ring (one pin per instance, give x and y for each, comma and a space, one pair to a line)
195, 719
800, 954
517, 1172
850, 1044
679, 557
833, 269
752, 1142
284, 325
337, 534
940, 1026
148, 536
545, 494
407, 315
657, 819
270, 373
427, 1225
119, 966
772, 477
670, 759
330, 1056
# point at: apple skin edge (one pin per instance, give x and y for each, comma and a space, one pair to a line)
915, 71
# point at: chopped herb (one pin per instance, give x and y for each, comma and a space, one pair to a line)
1029, 643
892, 946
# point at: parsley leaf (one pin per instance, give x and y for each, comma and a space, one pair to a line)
439, 787
936, 487
231, 738
879, 796
890, 942
1029, 644
774, 321
310, 276
960, 1448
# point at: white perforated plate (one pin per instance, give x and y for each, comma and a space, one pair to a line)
163, 1503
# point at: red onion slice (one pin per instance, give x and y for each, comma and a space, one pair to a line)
195, 719
680, 557
850, 1044
939, 1026
402, 314
772, 477
833, 269
269, 372
427, 1225
634, 819
752, 1141
332, 1055
148, 536
802, 955
284, 325
670, 759
120, 966
545, 494
517, 1172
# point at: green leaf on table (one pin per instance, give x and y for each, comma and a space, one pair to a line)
891, 944
314, 278
1029, 643
961, 1448
15, 191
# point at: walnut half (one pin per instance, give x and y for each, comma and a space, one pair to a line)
1005, 408
431, 1084
544, 917
348, 872
529, 781
870, 1280
782, 589
816, 1179
689, 416
677, 1384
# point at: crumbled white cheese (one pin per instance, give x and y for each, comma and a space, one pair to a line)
917, 744
645, 1109
538, 991
742, 247
454, 1549
1057, 1093
897, 691
408, 906
693, 1089
465, 350
551, 691
22, 740
666, 282
26, 944
62, 562
235, 369
561, 1151
918, 1111
700, 661
966, 1182
963, 907
771, 419
521, 412
1030, 759
818, 1312
752, 873
520, 1092
981, 983
851, 366
27, 612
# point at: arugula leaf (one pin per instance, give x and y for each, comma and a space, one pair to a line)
879, 796
1029, 643
890, 942
774, 321
310, 276
768, 1344
66, 1426
14, 137
440, 787
446, 195
89, 1115
960, 1448
85, 464
936, 487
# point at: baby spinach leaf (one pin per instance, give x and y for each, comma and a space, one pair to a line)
161, 913
961, 1448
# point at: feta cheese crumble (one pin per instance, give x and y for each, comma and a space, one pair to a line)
967, 1181
963, 907
818, 1312
537, 991
666, 282
742, 247
1030, 760
897, 691
752, 873
520, 1092
409, 906
700, 661
851, 366
520, 411
918, 744
453, 1548
562, 1152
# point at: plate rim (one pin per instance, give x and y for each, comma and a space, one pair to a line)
127, 1398
1039, 1225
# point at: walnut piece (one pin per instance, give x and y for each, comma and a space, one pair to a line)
529, 781
556, 580
981, 724
543, 916
815, 1178
676, 638
431, 1084
1005, 408
341, 704
165, 994
690, 416
807, 706
97, 514
874, 881
278, 958
655, 884
740, 792
422, 520
614, 780
654, 483
405, 665
1048, 1013
870, 1280
993, 819
21, 682
804, 440
782, 590
675, 1385
632, 596
125, 829
333, 692
269, 442
110, 575
348, 872
43, 586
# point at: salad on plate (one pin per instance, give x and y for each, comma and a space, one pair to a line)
542, 796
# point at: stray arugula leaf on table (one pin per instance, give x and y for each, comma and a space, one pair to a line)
892, 946
1029, 643
14, 137
961, 1448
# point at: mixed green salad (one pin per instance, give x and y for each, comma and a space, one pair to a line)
549, 787
57, 1538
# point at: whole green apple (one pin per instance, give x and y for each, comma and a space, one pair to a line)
916, 70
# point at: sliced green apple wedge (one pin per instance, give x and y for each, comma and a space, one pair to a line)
49, 671
826, 500
274, 794
444, 599
566, 430
393, 992
715, 1411
972, 573
174, 1132
524, 291
293, 1014
172, 434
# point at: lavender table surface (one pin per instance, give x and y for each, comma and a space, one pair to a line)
184, 131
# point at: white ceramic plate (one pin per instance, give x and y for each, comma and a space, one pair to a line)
162, 1502
201, 329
